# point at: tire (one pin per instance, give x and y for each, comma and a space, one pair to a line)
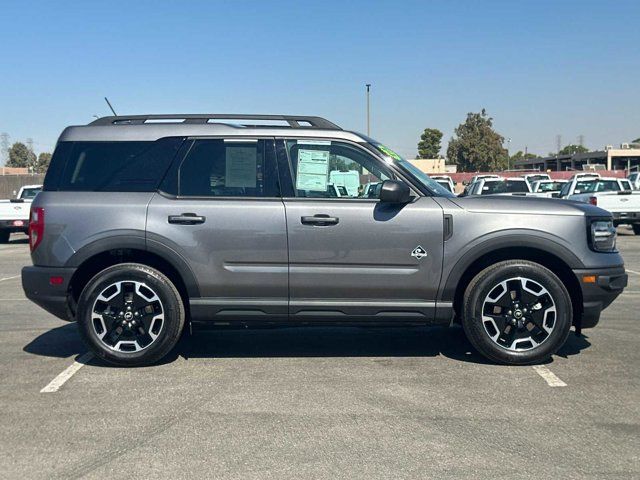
4, 236
636, 228
130, 315
497, 325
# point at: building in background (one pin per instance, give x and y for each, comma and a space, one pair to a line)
433, 165
627, 157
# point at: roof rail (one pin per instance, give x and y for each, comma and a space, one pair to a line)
294, 121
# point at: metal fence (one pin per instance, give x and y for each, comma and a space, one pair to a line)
12, 183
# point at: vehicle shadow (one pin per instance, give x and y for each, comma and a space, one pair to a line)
300, 342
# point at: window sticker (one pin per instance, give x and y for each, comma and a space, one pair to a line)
241, 167
313, 170
388, 152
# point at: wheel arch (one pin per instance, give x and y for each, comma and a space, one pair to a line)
557, 259
101, 254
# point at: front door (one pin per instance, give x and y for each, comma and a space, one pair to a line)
350, 254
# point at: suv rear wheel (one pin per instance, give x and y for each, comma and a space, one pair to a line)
130, 314
517, 312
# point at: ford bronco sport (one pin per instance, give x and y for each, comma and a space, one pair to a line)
148, 222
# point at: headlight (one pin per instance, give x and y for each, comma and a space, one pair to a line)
603, 236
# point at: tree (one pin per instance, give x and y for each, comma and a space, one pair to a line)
637, 140
478, 147
572, 149
42, 164
429, 144
519, 155
20, 156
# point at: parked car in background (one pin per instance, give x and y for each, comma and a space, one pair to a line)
581, 183
14, 213
480, 177
534, 177
547, 188
614, 195
500, 186
445, 180
634, 179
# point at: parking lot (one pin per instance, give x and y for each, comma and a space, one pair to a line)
317, 403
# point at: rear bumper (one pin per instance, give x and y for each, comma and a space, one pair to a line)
15, 225
626, 217
610, 282
36, 283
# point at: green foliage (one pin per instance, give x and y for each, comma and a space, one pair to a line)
519, 155
637, 140
42, 164
478, 147
20, 156
430, 143
571, 149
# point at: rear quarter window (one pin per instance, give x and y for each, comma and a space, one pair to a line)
110, 166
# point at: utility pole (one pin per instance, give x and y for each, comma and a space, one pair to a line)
4, 147
558, 143
31, 165
368, 85
508, 158
581, 140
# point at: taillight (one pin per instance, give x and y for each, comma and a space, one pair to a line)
36, 227
593, 201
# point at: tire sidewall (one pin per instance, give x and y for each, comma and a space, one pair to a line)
161, 285
482, 286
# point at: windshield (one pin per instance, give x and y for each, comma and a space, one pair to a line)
506, 186
413, 171
29, 193
550, 186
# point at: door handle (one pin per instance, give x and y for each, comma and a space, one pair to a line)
320, 220
186, 219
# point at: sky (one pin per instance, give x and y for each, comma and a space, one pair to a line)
540, 68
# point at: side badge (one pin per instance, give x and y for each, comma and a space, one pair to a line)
419, 252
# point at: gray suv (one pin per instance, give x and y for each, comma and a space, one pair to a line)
149, 222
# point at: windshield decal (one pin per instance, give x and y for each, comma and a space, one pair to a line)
388, 152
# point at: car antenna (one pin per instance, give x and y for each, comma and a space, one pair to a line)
109, 103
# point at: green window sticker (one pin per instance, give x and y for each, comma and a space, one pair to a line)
388, 152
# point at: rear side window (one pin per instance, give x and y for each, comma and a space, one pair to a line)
228, 168
110, 166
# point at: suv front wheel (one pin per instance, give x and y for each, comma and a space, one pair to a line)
130, 315
517, 312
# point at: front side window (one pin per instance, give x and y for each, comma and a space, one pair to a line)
331, 169
228, 168
506, 186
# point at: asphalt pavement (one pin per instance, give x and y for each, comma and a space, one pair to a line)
325, 403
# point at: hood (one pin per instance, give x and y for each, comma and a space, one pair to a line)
527, 206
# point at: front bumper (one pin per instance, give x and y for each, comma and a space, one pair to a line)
596, 296
37, 286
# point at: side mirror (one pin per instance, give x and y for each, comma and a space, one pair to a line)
394, 191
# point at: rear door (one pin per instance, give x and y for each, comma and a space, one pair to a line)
221, 211
353, 256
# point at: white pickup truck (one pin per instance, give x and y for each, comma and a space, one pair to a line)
14, 213
612, 194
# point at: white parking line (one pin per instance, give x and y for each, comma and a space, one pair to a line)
9, 278
549, 376
67, 373
631, 271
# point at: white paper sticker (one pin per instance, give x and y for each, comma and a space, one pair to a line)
241, 166
313, 170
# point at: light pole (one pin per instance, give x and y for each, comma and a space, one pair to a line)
508, 158
368, 85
